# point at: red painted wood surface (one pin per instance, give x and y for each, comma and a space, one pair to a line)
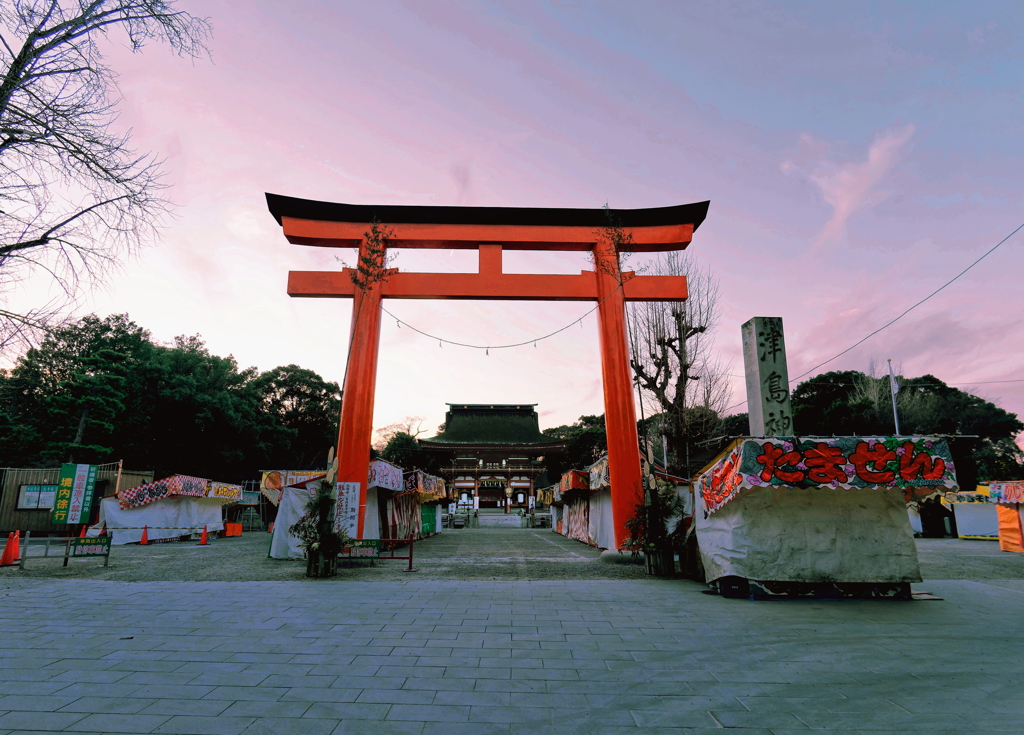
469, 237
601, 285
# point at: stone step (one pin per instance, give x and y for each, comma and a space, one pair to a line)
487, 520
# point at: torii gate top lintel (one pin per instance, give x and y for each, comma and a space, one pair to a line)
333, 224
490, 230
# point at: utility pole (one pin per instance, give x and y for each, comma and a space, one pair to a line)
894, 388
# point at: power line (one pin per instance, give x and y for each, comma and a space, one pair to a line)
488, 348
890, 323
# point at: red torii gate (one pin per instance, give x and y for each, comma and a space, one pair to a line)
490, 230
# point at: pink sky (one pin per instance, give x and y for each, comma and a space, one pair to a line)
855, 160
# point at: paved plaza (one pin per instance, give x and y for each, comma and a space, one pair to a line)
424, 655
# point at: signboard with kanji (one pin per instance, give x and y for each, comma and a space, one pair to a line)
764, 361
921, 466
94, 546
365, 548
346, 510
73, 500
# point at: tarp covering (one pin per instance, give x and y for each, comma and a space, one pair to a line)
556, 516
806, 535
920, 466
166, 518
371, 521
1011, 529
404, 516
975, 515
291, 508
576, 518
136, 497
601, 523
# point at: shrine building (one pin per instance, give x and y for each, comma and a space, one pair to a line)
492, 455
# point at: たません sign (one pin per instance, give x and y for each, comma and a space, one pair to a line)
920, 466
73, 500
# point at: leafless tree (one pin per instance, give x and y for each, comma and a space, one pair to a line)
681, 378
75, 198
411, 425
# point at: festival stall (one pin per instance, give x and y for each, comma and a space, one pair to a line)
553, 499
405, 511
168, 508
574, 495
1009, 500
818, 516
600, 524
291, 506
273, 482
975, 513
384, 482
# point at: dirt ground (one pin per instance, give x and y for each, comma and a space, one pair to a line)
465, 554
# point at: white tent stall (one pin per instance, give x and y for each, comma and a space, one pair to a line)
817, 515
168, 508
291, 508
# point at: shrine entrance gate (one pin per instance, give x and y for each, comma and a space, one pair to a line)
491, 230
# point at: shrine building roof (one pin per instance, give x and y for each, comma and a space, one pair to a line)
395, 214
494, 424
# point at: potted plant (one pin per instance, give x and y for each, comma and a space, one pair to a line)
316, 532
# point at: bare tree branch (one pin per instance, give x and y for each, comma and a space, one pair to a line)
75, 199
679, 375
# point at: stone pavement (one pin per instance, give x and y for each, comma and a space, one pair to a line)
451, 657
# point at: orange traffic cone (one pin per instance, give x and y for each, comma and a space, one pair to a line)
16, 554
8, 556
85, 527
203, 541
271, 529
144, 541
104, 531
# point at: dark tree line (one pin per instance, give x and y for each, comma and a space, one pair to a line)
848, 403
855, 404
101, 390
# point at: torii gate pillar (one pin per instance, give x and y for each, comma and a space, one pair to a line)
490, 229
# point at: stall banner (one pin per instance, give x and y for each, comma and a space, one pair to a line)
136, 497
426, 486
273, 482
921, 466
385, 475
599, 475
346, 509
1006, 492
572, 480
75, 488
224, 491
965, 498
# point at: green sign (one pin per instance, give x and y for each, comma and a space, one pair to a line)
364, 548
95, 546
75, 489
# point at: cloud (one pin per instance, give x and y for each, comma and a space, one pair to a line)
850, 187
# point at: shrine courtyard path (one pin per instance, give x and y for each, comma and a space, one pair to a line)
444, 652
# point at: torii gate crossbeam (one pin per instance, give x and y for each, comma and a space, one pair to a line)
490, 230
